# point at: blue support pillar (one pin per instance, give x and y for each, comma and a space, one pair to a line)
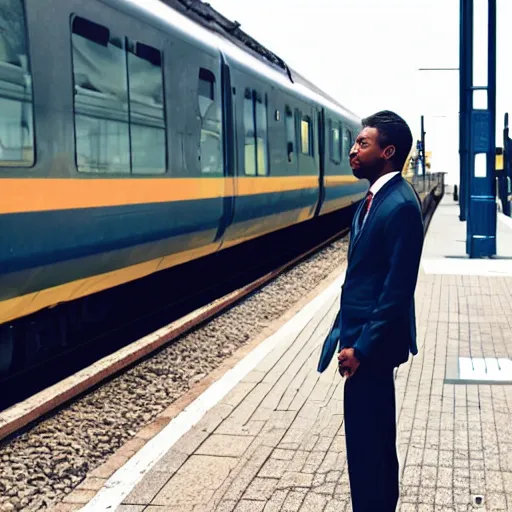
507, 168
481, 210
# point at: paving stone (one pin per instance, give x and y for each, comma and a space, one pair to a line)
170, 462
274, 468
225, 445
144, 492
276, 501
336, 505
196, 481
408, 507
426, 495
411, 475
428, 476
261, 489
327, 488
274, 437
244, 473
409, 494
175, 508
444, 497
294, 500
494, 481
445, 477
298, 461
232, 426
333, 476
313, 503
496, 501
318, 480
280, 454
331, 462
430, 457
295, 479
226, 506
461, 496
250, 506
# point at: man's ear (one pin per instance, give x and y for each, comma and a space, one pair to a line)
389, 152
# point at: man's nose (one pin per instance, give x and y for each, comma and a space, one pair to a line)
353, 151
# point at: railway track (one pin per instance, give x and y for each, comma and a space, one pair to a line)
24, 414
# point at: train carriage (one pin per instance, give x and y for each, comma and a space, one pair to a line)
133, 139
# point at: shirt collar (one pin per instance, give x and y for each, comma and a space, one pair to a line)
382, 181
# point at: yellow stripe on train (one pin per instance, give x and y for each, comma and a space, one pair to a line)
45, 194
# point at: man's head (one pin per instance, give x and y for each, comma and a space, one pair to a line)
382, 146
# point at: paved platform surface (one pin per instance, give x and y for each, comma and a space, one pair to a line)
276, 441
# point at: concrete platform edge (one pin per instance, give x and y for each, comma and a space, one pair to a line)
120, 484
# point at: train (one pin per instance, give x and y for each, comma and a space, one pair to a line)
137, 135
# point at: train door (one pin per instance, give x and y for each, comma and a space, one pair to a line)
253, 204
229, 147
321, 159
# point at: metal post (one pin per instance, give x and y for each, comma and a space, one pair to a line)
481, 208
423, 144
507, 167
417, 162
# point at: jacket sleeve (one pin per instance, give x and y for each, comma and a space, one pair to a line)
404, 240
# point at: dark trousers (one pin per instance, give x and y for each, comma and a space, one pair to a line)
370, 431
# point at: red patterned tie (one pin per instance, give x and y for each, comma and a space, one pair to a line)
366, 207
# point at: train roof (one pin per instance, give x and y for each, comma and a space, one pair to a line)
205, 15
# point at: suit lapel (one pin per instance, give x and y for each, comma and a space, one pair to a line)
356, 228
383, 192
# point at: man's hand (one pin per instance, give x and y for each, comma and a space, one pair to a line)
347, 362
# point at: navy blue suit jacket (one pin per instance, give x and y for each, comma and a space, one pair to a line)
377, 314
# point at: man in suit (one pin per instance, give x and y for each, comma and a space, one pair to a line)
377, 317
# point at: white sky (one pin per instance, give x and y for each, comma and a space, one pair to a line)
366, 54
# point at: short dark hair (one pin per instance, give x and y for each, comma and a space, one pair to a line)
392, 130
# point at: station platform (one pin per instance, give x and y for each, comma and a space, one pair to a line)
269, 434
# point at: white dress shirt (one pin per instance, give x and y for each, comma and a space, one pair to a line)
376, 187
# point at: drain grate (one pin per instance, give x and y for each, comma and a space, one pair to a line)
478, 500
478, 370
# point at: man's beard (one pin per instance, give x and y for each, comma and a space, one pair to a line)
369, 172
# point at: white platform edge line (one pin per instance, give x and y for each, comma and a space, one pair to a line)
475, 267
121, 483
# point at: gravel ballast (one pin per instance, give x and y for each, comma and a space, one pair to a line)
40, 467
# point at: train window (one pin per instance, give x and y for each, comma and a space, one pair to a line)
206, 84
335, 141
147, 116
306, 136
101, 99
290, 133
211, 136
261, 135
16, 118
250, 134
347, 141
256, 128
